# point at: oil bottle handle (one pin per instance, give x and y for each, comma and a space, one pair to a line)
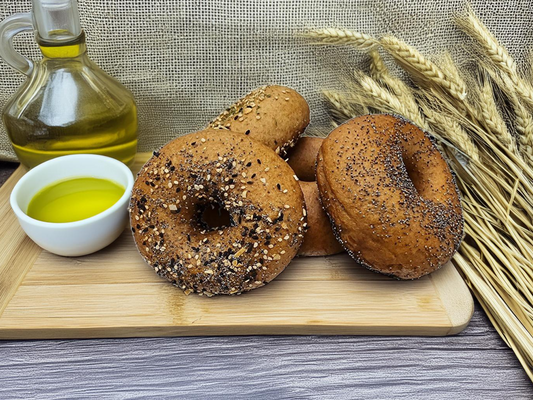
10, 27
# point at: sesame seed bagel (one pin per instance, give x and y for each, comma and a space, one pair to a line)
245, 178
273, 115
390, 195
319, 239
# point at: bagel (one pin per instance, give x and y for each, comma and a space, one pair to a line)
319, 239
302, 158
273, 115
390, 195
253, 185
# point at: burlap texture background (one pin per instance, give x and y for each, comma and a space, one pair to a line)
185, 61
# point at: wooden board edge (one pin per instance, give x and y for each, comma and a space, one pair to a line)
14, 268
17, 258
455, 297
193, 331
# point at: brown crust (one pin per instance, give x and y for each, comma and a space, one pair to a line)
246, 178
302, 158
319, 239
273, 115
390, 195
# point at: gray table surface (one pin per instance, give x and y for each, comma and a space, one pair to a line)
475, 364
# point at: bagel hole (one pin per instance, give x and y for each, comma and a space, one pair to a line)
414, 176
214, 217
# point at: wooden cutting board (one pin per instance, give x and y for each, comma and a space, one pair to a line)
113, 293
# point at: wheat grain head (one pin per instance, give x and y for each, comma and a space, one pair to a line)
492, 118
447, 127
422, 69
385, 101
381, 74
520, 118
491, 48
342, 36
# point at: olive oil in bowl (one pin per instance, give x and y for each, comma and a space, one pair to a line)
74, 199
74, 205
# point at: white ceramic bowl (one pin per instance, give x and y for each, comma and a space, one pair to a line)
80, 237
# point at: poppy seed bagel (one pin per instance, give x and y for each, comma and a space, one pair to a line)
390, 195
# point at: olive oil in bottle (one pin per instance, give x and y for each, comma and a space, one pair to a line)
67, 105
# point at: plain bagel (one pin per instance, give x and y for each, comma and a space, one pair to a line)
319, 239
302, 158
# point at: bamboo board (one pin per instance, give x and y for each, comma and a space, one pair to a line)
113, 293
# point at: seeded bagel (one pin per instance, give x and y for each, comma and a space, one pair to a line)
243, 177
273, 115
390, 195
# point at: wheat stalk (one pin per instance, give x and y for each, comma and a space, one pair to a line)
507, 323
496, 53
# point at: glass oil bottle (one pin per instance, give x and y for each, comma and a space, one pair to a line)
67, 105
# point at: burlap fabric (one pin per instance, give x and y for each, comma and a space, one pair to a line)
185, 61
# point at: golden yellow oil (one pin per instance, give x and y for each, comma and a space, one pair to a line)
74, 199
116, 138
57, 48
68, 106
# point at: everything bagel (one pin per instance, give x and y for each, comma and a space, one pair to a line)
258, 190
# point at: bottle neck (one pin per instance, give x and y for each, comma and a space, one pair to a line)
63, 49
